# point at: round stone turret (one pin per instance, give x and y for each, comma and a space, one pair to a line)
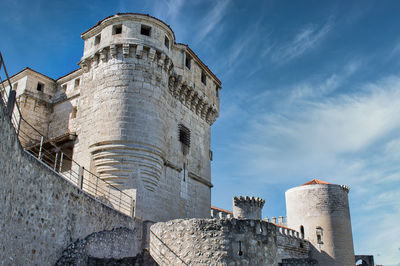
146, 107
320, 212
247, 207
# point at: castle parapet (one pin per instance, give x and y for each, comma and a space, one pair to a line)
247, 207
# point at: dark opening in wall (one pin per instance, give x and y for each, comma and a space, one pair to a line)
117, 29
319, 232
97, 39
64, 87
217, 91
301, 231
74, 112
145, 30
166, 42
203, 78
188, 61
184, 138
40, 86
77, 81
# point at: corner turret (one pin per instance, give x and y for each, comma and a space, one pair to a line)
247, 207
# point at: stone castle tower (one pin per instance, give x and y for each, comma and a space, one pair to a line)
320, 212
147, 104
137, 113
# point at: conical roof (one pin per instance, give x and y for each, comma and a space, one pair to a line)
317, 182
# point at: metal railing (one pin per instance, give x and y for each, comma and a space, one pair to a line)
46, 151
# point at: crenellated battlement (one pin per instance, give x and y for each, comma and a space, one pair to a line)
192, 98
247, 207
253, 201
345, 188
128, 49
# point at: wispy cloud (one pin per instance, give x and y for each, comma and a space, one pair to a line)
212, 19
168, 10
305, 40
315, 89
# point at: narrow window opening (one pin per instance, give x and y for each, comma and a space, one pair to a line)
77, 81
188, 61
166, 42
240, 252
211, 155
74, 112
302, 231
217, 91
97, 39
117, 29
145, 30
319, 232
203, 78
64, 87
40, 86
184, 138
184, 172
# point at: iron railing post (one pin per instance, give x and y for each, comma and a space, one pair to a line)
19, 124
80, 178
55, 162
61, 162
11, 102
95, 191
120, 195
40, 149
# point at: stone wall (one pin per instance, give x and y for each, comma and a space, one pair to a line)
41, 212
213, 242
290, 245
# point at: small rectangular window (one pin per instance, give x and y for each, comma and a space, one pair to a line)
40, 86
74, 112
117, 29
188, 61
184, 138
319, 232
64, 87
203, 78
145, 30
217, 91
97, 39
166, 42
77, 81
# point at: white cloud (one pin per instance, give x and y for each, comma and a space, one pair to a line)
212, 19
348, 139
305, 40
168, 10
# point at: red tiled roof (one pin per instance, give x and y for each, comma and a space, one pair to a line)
221, 210
317, 182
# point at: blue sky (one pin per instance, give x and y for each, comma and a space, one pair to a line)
311, 89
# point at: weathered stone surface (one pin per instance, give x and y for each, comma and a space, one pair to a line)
41, 212
213, 242
322, 211
109, 245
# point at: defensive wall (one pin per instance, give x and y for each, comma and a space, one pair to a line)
231, 241
42, 213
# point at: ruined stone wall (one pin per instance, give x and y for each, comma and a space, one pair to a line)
213, 242
41, 212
